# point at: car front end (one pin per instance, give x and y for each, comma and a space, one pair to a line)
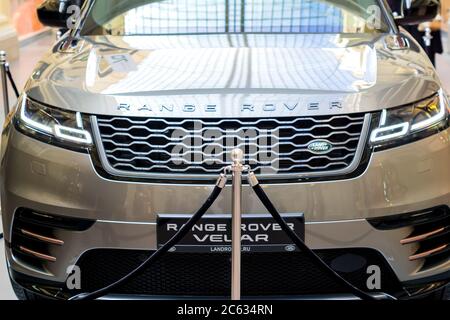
114, 133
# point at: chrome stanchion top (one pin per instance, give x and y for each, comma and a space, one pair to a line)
4, 82
2, 56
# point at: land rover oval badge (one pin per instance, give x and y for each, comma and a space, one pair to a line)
320, 147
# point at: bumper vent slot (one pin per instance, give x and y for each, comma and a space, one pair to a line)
37, 255
36, 235
42, 238
433, 239
430, 234
53, 221
440, 232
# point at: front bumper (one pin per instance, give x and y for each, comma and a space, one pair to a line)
48, 179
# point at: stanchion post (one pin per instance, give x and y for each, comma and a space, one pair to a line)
237, 156
4, 81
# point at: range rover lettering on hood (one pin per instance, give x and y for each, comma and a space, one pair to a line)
202, 76
214, 108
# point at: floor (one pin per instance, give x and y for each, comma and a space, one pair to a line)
21, 70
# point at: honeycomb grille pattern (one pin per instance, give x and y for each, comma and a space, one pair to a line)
199, 274
190, 146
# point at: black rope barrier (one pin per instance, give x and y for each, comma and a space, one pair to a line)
11, 80
262, 196
161, 251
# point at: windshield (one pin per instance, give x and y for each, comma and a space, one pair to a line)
165, 17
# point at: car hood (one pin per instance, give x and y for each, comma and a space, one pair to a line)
232, 75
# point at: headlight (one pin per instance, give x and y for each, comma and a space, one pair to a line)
412, 122
51, 125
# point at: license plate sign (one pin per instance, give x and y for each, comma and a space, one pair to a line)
260, 233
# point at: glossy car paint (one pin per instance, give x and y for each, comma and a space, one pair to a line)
288, 71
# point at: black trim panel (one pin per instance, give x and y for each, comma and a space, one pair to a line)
410, 219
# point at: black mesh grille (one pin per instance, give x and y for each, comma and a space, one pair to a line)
264, 274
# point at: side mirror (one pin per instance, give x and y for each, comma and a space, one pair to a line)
56, 13
414, 12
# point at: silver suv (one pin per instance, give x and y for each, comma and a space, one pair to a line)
124, 126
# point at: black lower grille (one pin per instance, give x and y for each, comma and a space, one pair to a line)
264, 274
